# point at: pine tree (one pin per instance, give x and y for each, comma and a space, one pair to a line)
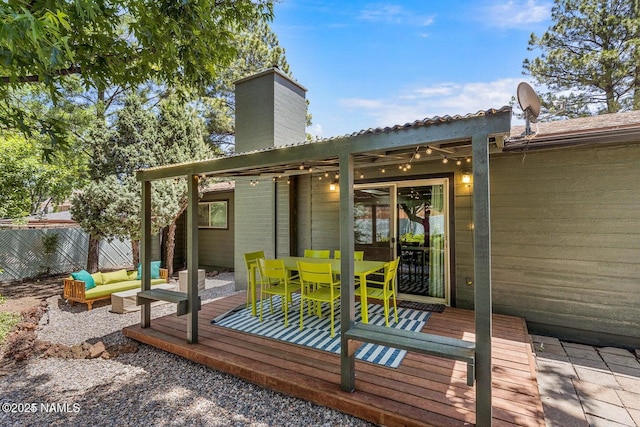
590, 56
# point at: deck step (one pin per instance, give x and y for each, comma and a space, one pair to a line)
176, 297
433, 345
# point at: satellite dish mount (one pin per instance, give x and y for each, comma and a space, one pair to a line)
530, 104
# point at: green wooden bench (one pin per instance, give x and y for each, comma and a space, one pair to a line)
179, 298
433, 345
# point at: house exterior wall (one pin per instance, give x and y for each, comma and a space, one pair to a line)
303, 216
215, 247
256, 219
566, 242
325, 216
283, 218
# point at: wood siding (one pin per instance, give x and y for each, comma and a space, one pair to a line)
566, 241
255, 216
303, 217
216, 245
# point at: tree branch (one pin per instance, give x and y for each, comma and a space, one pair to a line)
35, 79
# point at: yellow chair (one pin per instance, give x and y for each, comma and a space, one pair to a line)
315, 253
386, 291
357, 255
318, 286
251, 262
276, 281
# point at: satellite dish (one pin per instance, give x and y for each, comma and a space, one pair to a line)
530, 104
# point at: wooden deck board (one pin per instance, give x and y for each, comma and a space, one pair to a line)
423, 390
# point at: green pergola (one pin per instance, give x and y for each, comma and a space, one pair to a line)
346, 154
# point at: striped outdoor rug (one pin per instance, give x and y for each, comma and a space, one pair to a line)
317, 331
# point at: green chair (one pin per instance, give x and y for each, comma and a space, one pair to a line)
251, 262
357, 255
385, 289
315, 253
317, 286
276, 281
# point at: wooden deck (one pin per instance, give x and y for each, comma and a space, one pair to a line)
422, 391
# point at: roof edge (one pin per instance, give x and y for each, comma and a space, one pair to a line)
600, 137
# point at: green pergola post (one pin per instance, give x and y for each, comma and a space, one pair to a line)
192, 259
482, 274
347, 298
145, 252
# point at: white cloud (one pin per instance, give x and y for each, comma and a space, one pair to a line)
437, 100
516, 14
315, 130
395, 14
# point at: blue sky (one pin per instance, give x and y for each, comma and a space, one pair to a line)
368, 64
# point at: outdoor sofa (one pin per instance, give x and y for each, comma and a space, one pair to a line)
79, 287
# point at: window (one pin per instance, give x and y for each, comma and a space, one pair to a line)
213, 214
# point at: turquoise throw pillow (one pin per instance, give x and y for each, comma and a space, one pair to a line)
155, 270
85, 277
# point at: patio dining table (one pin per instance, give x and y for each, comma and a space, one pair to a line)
361, 269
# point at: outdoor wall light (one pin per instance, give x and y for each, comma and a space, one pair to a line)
333, 186
466, 178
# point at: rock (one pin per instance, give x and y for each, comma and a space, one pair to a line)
77, 352
118, 349
96, 350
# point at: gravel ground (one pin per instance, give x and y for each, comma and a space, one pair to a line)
149, 387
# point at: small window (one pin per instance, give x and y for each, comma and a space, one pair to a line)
213, 214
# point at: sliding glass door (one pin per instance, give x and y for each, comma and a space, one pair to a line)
374, 220
410, 220
423, 236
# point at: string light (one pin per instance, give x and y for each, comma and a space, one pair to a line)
445, 160
428, 151
458, 162
383, 170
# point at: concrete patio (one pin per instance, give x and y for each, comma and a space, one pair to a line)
582, 385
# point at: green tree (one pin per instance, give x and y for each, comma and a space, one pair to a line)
115, 43
590, 56
110, 206
258, 49
28, 183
